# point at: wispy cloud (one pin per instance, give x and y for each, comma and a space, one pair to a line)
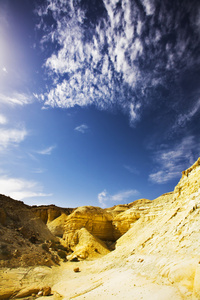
15, 99
82, 128
11, 137
129, 52
188, 116
46, 151
19, 188
131, 169
172, 161
3, 119
104, 196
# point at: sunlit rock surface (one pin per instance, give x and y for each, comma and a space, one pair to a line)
48, 213
157, 253
95, 219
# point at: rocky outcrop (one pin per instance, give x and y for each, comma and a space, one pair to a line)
105, 224
21, 235
57, 225
48, 213
123, 221
85, 245
95, 219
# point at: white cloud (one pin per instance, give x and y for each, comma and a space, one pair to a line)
149, 6
15, 99
3, 119
4, 70
164, 176
104, 197
82, 128
46, 151
11, 137
121, 58
124, 195
91, 76
172, 161
19, 188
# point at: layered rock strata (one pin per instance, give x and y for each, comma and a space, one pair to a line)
123, 221
48, 213
105, 224
95, 219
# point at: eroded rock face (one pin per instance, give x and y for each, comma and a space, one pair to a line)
57, 225
95, 219
85, 245
48, 213
21, 235
123, 221
106, 224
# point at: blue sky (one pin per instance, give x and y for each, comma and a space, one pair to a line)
99, 100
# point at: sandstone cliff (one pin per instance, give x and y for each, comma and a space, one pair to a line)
105, 224
48, 213
95, 219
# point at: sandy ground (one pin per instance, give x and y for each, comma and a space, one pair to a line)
100, 279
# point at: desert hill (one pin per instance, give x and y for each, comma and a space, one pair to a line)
142, 250
20, 232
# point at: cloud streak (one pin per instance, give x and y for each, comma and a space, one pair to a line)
46, 151
82, 128
172, 161
105, 197
16, 99
11, 137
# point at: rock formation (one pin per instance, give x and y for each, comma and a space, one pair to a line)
23, 236
57, 225
95, 219
177, 214
48, 213
156, 241
170, 231
85, 245
105, 224
123, 221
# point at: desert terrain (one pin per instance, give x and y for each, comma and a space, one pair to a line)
141, 250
